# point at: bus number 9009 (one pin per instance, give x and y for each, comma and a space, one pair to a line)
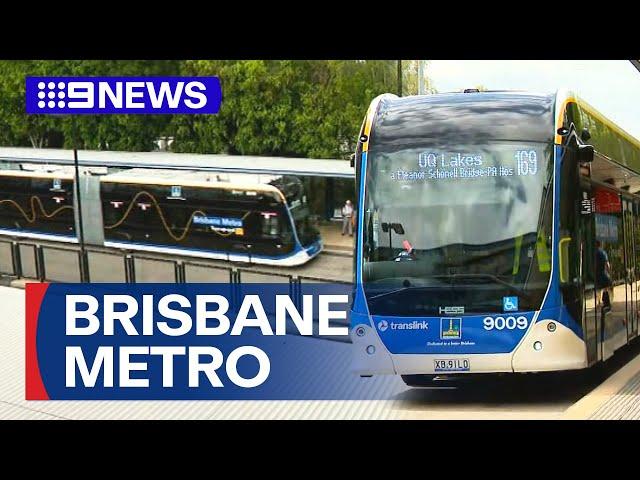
509, 323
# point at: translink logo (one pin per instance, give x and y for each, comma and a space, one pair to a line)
383, 325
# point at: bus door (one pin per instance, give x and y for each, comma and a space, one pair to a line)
586, 234
612, 300
630, 264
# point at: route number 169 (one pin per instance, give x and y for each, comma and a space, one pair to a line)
526, 162
509, 323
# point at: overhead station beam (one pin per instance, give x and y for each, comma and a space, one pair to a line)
636, 63
309, 167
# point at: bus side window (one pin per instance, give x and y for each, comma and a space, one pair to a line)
569, 199
567, 242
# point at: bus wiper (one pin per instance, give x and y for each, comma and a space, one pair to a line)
491, 277
397, 290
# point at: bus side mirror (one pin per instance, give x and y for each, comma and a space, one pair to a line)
585, 153
398, 228
352, 160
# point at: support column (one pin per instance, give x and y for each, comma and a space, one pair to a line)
329, 197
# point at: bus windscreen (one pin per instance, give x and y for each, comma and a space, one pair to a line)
463, 225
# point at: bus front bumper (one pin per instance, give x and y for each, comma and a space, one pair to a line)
540, 350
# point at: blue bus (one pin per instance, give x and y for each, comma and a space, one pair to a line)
497, 232
261, 219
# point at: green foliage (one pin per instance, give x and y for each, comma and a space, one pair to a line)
17, 128
98, 132
298, 108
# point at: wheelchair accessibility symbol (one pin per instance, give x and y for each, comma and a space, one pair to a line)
509, 304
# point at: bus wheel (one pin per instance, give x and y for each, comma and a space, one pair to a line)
418, 380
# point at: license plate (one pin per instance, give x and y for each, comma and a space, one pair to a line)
451, 365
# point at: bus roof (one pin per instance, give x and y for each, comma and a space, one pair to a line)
464, 117
467, 99
188, 161
241, 181
66, 175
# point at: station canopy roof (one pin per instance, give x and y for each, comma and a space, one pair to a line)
310, 167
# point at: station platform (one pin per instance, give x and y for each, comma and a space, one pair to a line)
334, 241
616, 399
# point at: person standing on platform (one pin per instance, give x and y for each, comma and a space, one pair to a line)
347, 213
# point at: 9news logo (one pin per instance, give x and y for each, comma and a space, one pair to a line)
130, 95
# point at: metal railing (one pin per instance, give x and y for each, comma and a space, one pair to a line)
89, 261
51, 262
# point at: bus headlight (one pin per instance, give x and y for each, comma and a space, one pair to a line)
551, 326
537, 345
360, 331
371, 349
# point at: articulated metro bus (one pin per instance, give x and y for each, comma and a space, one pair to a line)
260, 219
497, 232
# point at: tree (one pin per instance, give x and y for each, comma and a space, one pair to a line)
16, 127
285, 107
116, 132
295, 108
